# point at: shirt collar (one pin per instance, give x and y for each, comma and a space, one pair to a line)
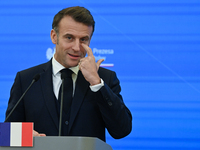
57, 67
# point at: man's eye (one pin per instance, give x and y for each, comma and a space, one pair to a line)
69, 38
84, 40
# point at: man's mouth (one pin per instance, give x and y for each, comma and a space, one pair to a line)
73, 56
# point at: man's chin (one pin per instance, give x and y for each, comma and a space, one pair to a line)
73, 64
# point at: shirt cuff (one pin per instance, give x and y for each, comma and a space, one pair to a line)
95, 88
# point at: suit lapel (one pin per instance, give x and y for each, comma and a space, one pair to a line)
81, 88
47, 89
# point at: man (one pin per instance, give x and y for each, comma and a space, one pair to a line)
97, 103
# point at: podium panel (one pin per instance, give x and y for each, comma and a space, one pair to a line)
64, 143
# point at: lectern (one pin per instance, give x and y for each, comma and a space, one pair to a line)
64, 143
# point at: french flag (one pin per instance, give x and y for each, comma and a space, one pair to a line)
19, 134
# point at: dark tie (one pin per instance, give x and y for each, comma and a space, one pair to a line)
66, 75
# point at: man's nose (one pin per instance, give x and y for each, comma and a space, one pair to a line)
76, 45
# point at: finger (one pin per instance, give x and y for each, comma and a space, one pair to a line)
99, 62
79, 65
82, 59
35, 133
42, 134
88, 49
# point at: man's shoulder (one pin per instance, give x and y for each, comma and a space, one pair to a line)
37, 69
105, 70
105, 73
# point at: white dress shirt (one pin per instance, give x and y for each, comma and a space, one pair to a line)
57, 67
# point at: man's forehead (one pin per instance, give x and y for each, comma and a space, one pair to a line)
70, 26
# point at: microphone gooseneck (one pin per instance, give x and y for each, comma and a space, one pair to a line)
35, 79
63, 76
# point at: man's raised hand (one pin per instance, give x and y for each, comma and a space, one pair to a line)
89, 67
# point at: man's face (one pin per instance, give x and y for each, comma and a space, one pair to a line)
68, 42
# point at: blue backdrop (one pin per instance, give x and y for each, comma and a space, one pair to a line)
154, 46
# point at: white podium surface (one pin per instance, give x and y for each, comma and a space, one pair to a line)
64, 143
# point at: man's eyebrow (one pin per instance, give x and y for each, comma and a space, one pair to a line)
71, 35
65, 35
85, 37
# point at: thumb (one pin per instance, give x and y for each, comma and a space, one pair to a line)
99, 63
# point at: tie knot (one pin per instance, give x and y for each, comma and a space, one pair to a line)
66, 73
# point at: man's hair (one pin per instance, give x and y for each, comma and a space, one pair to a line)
79, 14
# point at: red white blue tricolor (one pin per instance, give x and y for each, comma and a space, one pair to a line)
19, 134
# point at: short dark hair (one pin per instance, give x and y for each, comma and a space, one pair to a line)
79, 14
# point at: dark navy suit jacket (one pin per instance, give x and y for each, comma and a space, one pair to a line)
91, 112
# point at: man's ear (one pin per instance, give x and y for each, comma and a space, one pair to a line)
53, 36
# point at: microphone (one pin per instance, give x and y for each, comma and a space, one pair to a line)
35, 79
63, 76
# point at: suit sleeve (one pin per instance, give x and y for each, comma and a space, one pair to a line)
116, 115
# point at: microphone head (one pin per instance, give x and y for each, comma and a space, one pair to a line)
36, 77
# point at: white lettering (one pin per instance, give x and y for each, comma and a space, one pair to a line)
99, 57
103, 51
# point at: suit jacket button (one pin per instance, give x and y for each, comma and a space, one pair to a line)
110, 103
66, 122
